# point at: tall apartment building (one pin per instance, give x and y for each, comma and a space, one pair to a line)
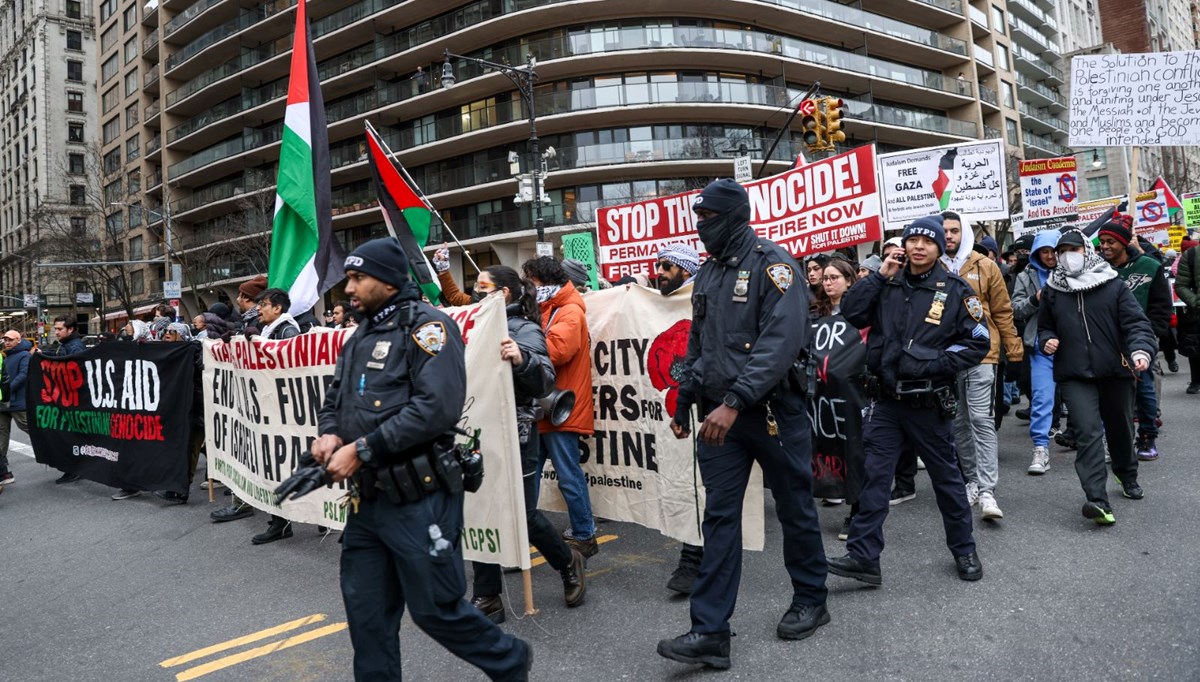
637, 99
47, 116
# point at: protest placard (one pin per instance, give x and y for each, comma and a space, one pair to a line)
580, 247
1048, 193
117, 413
967, 178
1150, 219
637, 470
821, 206
1191, 210
1148, 99
836, 407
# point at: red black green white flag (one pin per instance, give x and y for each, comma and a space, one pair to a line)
943, 183
306, 260
1174, 207
407, 216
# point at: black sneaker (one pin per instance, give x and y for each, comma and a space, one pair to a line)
849, 567
1131, 490
7, 478
491, 606
588, 548
844, 533
1193, 389
969, 567
231, 513
125, 494
711, 650
683, 579
66, 478
278, 529
171, 496
1023, 414
802, 620
1067, 440
1173, 366
1101, 514
899, 495
574, 581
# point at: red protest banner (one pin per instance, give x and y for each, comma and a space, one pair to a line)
824, 205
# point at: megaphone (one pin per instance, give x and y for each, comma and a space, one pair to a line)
557, 406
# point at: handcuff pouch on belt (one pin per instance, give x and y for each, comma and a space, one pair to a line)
454, 469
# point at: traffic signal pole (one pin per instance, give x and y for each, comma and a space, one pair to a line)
812, 90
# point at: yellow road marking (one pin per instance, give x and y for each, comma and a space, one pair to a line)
222, 663
234, 643
601, 540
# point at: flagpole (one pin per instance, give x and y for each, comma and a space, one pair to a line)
421, 193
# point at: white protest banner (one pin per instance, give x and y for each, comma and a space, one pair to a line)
261, 404
1017, 225
821, 206
968, 178
1048, 193
1149, 99
637, 470
1151, 219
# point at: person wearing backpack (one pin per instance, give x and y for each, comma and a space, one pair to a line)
16, 371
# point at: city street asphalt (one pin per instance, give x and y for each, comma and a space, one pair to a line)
96, 589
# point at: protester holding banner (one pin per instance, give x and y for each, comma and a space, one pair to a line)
451, 293
177, 332
840, 352
1100, 339
398, 390
16, 374
533, 378
749, 329
564, 320
975, 423
1027, 298
1147, 280
927, 325
1187, 286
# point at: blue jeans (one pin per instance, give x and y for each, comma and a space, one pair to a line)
1147, 406
1041, 405
1011, 392
563, 451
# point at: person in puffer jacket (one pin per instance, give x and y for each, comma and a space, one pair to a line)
1027, 298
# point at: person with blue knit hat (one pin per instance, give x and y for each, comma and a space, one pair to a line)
926, 325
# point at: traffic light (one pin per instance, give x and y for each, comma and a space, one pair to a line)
813, 125
833, 121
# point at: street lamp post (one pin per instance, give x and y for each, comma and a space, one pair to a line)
524, 78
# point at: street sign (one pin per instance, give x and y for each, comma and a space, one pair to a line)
545, 249
808, 106
83, 297
171, 289
742, 170
31, 300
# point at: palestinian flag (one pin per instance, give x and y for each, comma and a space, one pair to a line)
406, 214
1174, 208
305, 260
942, 183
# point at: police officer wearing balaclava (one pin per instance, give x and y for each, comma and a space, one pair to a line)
398, 391
749, 326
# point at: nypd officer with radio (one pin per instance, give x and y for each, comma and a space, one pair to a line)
386, 424
750, 326
926, 324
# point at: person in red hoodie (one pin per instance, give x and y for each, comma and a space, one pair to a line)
569, 344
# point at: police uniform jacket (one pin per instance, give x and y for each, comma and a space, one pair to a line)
401, 382
750, 321
930, 329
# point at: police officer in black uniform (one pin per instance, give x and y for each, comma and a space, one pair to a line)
926, 325
750, 325
397, 392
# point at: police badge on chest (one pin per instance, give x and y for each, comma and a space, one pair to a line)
934, 316
741, 287
379, 354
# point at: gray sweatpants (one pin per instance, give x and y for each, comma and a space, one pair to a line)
975, 427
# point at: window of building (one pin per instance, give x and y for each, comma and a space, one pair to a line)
1002, 58
112, 128
78, 195
132, 149
998, 20
131, 15
131, 49
1098, 187
113, 223
1099, 154
1010, 99
108, 38
74, 101
110, 99
131, 115
135, 215
112, 192
137, 283
134, 181
107, 8
137, 249
1010, 128
74, 71
75, 164
74, 9
109, 68
74, 40
78, 224
74, 131
131, 82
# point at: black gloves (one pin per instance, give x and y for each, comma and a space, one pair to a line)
305, 480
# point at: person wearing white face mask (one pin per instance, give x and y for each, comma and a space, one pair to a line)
1105, 339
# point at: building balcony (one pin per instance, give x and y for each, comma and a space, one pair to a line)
184, 18
1025, 34
150, 46
1042, 146
1034, 16
227, 30
1035, 66
1039, 95
1042, 121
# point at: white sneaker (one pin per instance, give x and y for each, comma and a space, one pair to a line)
1041, 461
972, 493
987, 505
920, 464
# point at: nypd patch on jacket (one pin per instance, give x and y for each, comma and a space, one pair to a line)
928, 329
749, 323
401, 383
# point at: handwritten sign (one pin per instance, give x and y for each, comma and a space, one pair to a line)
1149, 99
1048, 192
967, 178
1191, 210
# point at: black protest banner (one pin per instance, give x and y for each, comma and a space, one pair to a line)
117, 414
836, 407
